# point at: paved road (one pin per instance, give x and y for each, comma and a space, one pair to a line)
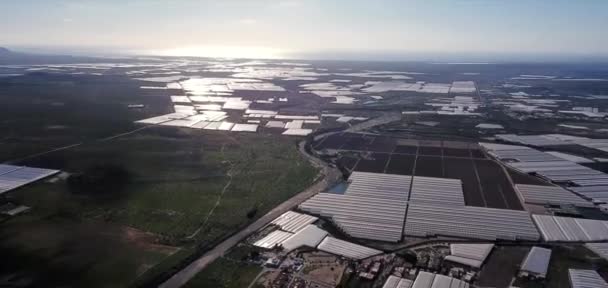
328, 177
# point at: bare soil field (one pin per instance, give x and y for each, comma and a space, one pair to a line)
501, 266
485, 183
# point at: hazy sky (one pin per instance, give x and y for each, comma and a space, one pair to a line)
292, 27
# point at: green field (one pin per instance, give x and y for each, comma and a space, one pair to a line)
224, 273
134, 205
40, 112
221, 273
76, 253
175, 180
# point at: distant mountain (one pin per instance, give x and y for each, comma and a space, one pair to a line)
10, 57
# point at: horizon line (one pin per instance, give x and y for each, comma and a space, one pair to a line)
478, 57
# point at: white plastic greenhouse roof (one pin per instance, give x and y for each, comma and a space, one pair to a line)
310, 236
555, 140
469, 222
601, 249
386, 186
273, 239
567, 229
546, 165
397, 282
297, 132
424, 280
598, 194
373, 206
13, 177
586, 279
245, 127
436, 191
347, 249
431, 280
532, 140
293, 222
570, 157
469, 254
464, 261
537, 261
536, 194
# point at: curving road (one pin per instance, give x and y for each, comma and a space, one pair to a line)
328, 176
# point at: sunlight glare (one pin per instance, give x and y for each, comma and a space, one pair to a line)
251, 52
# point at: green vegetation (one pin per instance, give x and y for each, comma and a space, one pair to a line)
224, 273
243, 252
68, 252
571, 257
40, 112
134, 206
166, 265
183, 187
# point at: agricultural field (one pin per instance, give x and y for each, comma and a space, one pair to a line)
225, 273
221, 272
136, 203
127, 205
501, 266
498, 191
520, 178
172, 176
70, 252
485, 183
177, 187
572, 257
69, 109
